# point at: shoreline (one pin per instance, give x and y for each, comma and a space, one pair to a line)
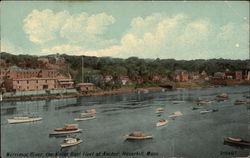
123, 90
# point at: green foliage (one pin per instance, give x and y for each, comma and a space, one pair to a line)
95, 68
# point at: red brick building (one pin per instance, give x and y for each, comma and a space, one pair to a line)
17, 79
30, 84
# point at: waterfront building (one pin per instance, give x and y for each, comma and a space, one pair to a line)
85, 87
30, 84
18, 79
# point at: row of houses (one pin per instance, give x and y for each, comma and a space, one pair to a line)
232, 75
183, 76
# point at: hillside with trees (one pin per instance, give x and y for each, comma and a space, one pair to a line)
95, 68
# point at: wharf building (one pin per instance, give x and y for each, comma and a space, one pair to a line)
15, 79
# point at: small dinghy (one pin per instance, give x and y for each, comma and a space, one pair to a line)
87, 112
206, 111
222, 96
237, 141
70, 142
85, 118
215, 110
175, 114
238, 102
177, 102
161, 123
203, 102
24, 119
159, 110
137, 136
196, 107
68, 128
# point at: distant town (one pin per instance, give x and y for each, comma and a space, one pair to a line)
62, 74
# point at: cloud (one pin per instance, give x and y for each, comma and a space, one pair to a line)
155, 36
179, 37
44, 26
82, 27
159, 35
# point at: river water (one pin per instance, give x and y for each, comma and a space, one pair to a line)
190, 135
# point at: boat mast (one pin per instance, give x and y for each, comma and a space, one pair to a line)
82, 70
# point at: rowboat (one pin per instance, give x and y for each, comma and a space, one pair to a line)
238, 102
237, 141
68, 128
70, 142
85, 118
137, 136
196, 107
203, 102
24, 119
175, 114
223, 95
159, 110
205, 111
87, 112
177, 102
161, 123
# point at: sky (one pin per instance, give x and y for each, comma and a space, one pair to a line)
146, 29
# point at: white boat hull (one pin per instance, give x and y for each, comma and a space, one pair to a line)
65, 132
83, 119
159, 112
12, 121
204, 112
137, 138
70, 144
158, 124
85, 113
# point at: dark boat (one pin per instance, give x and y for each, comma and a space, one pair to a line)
215, 110
238, 102
237, 141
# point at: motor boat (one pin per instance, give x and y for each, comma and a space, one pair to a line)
221, 97
161, 123
70, 142
159, 110
87, 112
177, 102
238, 102
206, 111
137, 136
203, 102
24, 119
175, 114
85, 118
196, 107
237, 141
68, 128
